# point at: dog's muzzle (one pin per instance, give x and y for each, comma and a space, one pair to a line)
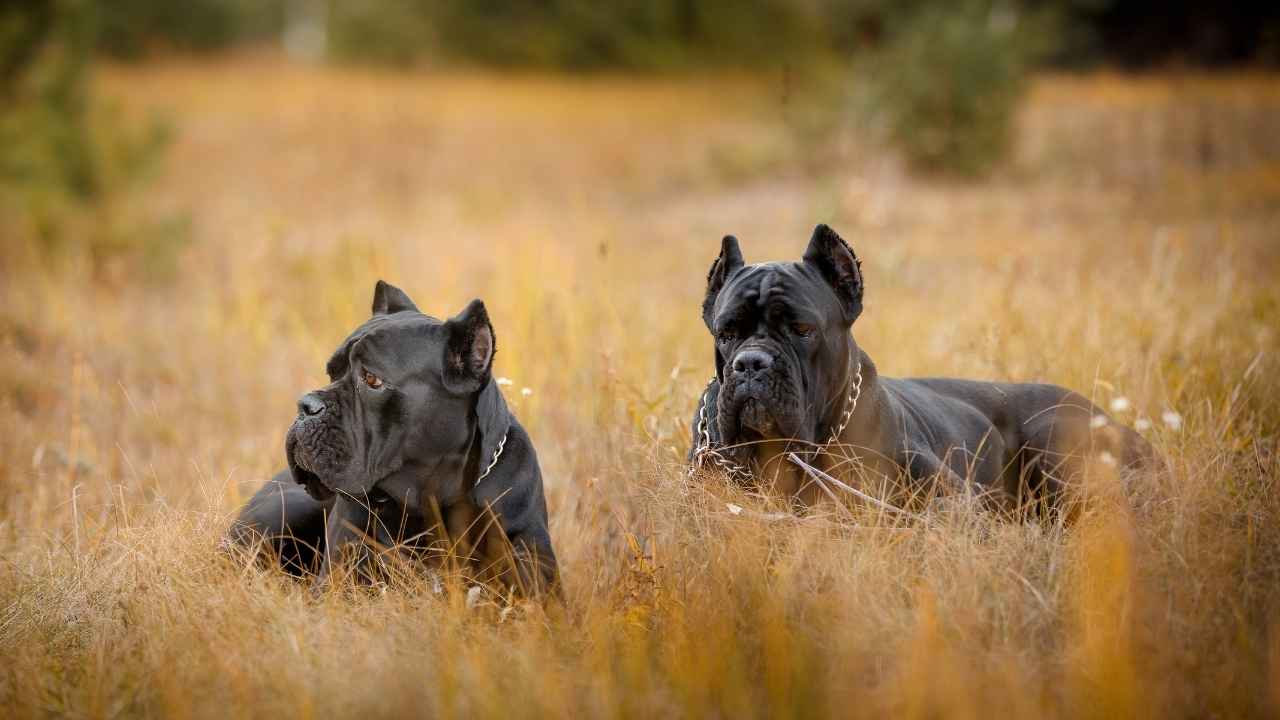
751, 387
760, 398
316, 447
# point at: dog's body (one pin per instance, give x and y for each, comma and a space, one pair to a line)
791, 379
411, 445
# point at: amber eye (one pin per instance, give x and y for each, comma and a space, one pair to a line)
371, 380
802, 329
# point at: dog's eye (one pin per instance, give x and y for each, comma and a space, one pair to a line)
802, 329
727, 333
371, 380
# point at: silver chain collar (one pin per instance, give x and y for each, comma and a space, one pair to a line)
706, 452
497, 453
850, 404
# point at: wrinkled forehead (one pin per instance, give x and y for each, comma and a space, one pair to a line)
405, 341
790, 286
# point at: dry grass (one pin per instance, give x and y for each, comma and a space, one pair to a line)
1132, 251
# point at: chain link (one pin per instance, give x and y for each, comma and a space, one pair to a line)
850, 402
502, 444
705, 452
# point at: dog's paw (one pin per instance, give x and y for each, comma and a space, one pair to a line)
951, 505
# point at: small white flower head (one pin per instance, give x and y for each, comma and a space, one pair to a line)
1172, 420
526, 392
1107, 458
473, 597
504, 381
1142, 424
734, 509
1097, 421
1120, 404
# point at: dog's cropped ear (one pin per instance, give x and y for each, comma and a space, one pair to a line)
729, 262
388, 298
468, 349
834, 259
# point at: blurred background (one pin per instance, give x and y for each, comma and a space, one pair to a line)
939, 85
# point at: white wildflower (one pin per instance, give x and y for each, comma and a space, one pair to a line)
1142, 424
1172, 420
526, 392
1120, 404
473, 597
1107, 458
1097, 421
734, 509
504, 381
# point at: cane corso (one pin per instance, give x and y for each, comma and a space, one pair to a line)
791, 383
410, 445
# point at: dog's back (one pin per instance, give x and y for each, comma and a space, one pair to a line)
1041, 436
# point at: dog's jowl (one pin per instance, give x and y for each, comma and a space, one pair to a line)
411, 445
793, 393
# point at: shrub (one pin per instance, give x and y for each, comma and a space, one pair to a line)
581, 34
131, 28
391, 32
946, 81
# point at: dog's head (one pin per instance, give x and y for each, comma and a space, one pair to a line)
407, 393
782, 338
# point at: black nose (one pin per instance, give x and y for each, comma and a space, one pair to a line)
752, 361
310, 404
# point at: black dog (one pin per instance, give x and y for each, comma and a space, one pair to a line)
413, 443
791, 379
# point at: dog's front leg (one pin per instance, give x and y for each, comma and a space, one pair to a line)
926, 470
946, 489
351, 528
460, 528
522, 560
535, 562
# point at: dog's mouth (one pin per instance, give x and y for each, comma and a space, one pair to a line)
755, 421
303, 467
752, 413
310, 481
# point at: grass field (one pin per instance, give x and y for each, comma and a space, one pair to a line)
1130, 251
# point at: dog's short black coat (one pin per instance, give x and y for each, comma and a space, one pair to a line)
410, 445
787, 367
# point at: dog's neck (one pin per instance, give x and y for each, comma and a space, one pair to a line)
770, 456
850, 384
864, 400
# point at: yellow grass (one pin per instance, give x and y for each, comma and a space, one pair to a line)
1133, 249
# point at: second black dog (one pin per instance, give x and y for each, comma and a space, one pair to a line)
791, 383
411, 442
